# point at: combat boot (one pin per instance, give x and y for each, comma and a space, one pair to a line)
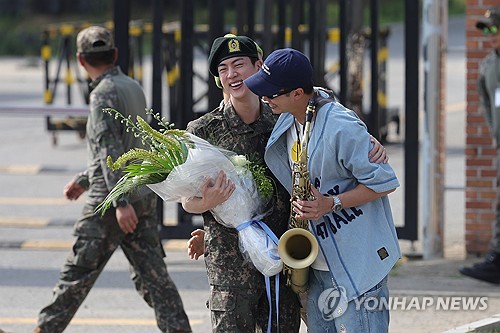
488, 270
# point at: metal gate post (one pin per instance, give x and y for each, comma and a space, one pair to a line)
121, 12
374, 123
216, 23
410, 229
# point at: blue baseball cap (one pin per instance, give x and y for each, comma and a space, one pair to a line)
283, 69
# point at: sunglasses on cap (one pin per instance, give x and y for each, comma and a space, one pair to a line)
281, 92
492, 30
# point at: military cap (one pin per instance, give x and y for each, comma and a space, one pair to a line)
259, 51
492, 18
228, 47
94, 39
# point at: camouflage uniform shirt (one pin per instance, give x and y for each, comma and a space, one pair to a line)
107, 136
224, 261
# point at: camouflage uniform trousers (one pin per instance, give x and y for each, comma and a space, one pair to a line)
97, 239
241, 310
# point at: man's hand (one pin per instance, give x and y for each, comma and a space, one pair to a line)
218, 192
127, 219
377, 154
73, 190
196, 246
212, 194
314, 209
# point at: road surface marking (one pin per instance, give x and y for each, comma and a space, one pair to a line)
45, 244
20, 222
176, 245
20, 169
34, 201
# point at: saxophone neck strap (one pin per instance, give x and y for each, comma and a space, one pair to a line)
320, 100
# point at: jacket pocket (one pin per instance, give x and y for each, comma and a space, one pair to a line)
222, 300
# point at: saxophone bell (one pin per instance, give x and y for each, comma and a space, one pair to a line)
298, 248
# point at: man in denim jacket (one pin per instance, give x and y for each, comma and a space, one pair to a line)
350, 215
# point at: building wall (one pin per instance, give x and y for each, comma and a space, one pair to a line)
480, 152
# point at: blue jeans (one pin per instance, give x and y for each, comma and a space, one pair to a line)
326, 312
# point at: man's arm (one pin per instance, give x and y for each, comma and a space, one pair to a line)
108, 142
315, 209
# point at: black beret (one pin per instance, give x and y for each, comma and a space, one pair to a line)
492, 17
228, 47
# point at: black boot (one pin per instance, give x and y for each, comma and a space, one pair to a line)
488, 270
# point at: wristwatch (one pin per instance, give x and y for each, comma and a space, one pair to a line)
337, 204
122, 202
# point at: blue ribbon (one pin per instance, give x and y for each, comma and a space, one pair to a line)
270, 236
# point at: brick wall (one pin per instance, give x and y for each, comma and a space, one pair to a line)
480, 153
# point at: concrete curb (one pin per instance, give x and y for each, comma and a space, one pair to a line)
484, 325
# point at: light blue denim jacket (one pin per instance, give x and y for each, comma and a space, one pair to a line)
359, 243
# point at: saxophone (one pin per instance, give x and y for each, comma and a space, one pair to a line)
297, 247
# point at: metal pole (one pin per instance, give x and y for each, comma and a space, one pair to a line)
433, 178
411, 146
343, 51
281, 25
297, 15
157, 80
121, 19
374, 124
185, 114
250, 19
216, 22
241, 22
317, 37
266, 36
157, 57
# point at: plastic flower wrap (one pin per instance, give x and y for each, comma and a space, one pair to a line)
176, 167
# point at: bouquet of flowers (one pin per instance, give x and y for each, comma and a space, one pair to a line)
176, 166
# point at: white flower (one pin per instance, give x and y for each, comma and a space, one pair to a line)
239, 160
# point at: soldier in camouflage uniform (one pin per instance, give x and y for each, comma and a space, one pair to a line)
238, 300
489, 103
132, 223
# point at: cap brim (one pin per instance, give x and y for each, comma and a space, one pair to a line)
259, 85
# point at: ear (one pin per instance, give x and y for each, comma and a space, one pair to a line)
81, 61
259, 63
298, 93
116, 55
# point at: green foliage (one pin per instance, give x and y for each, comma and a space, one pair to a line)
168, 148
263, 182
18, 39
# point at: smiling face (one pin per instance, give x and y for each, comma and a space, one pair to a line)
233, 71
